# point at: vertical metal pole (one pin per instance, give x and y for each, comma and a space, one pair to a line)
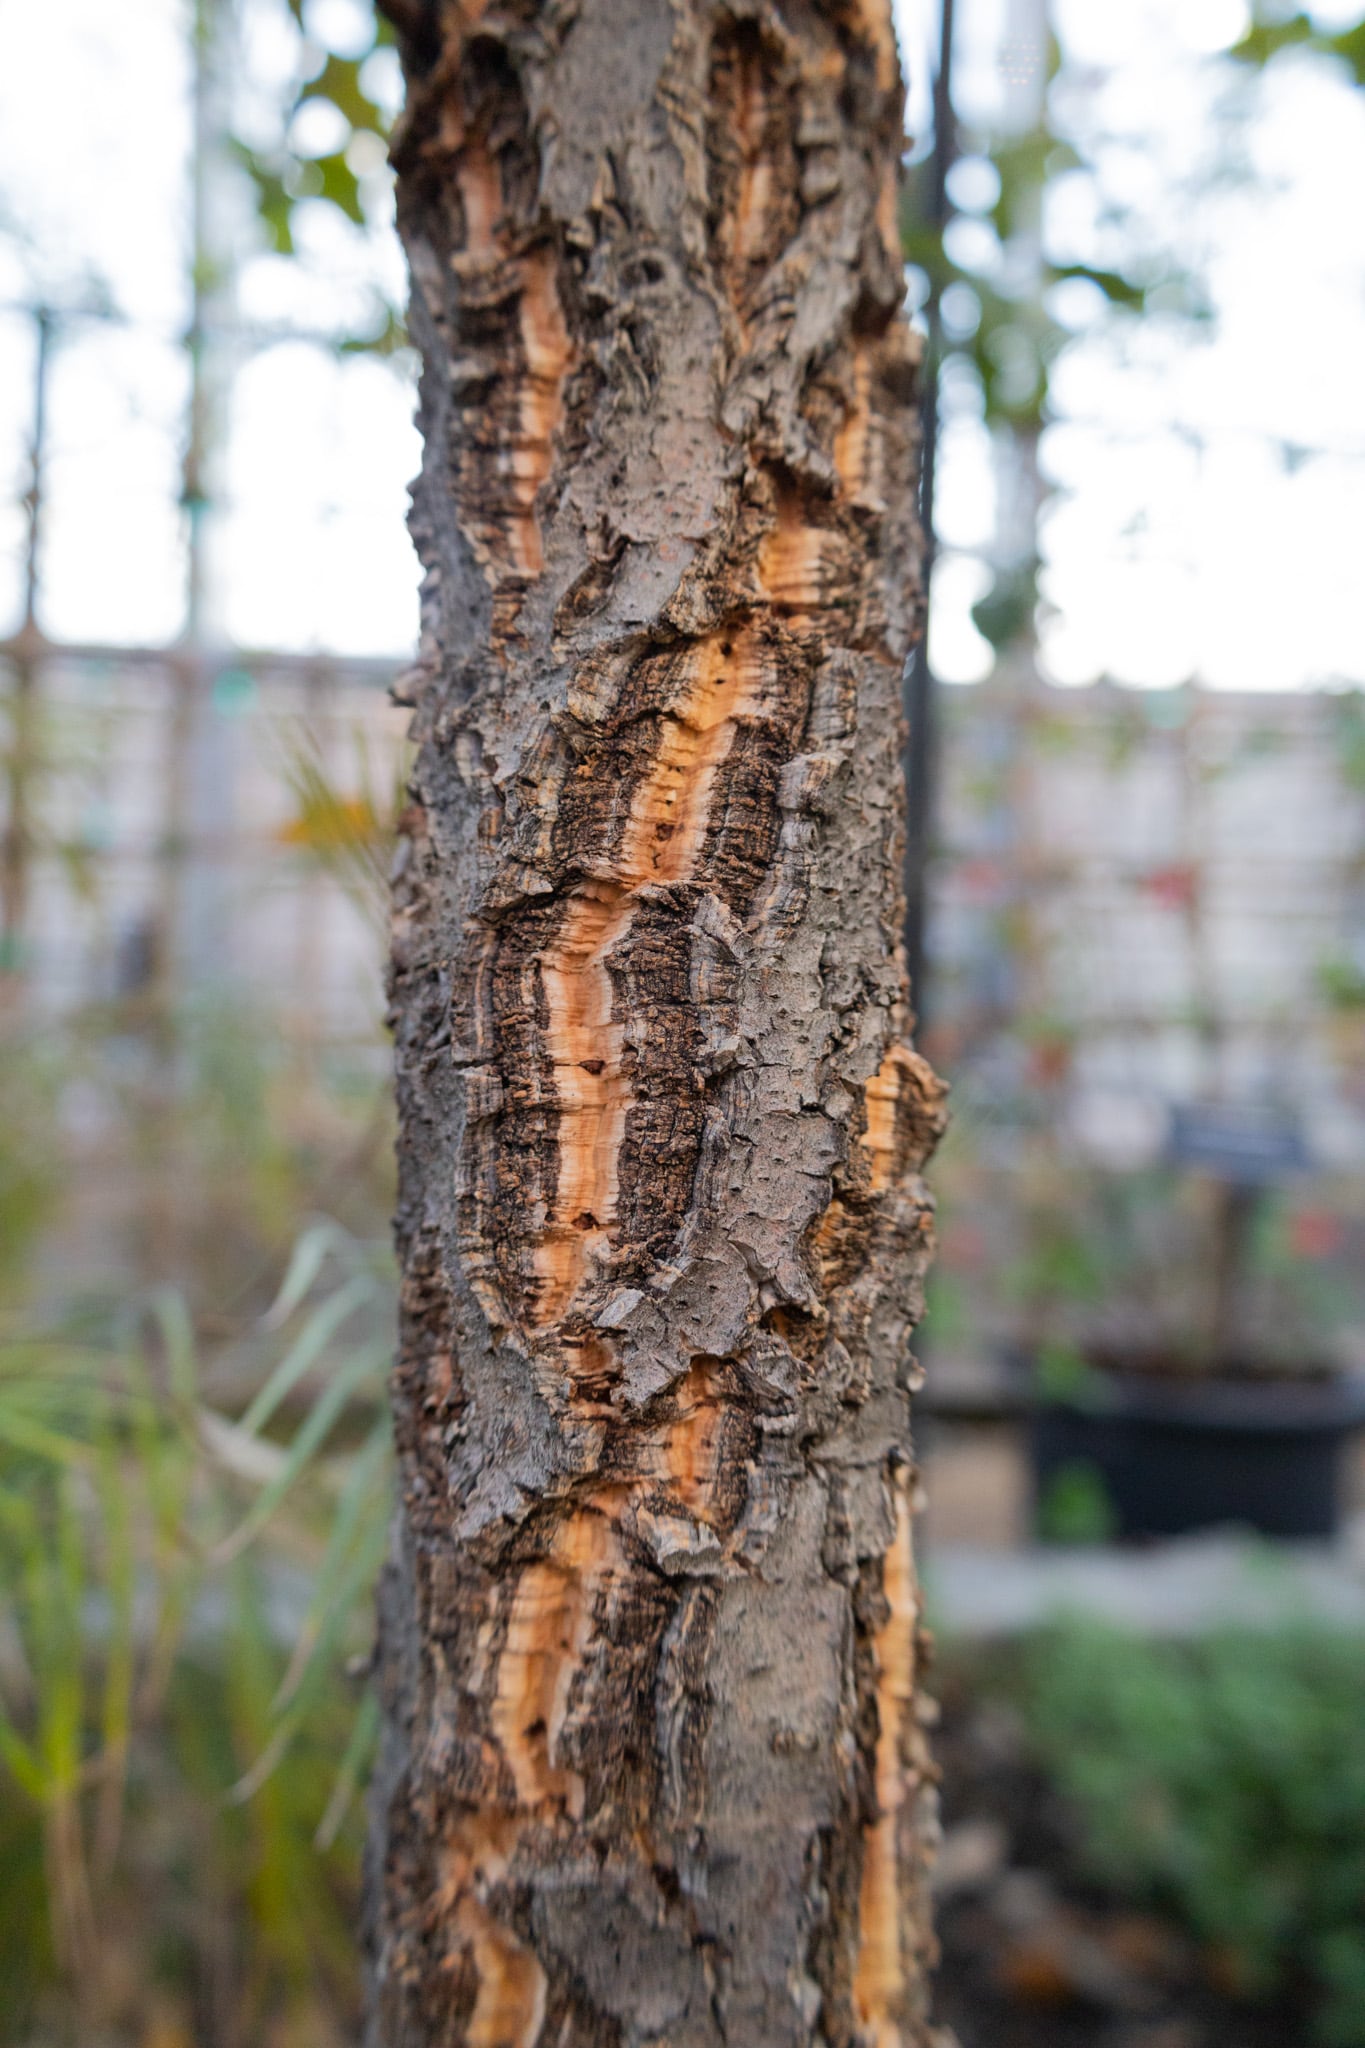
199, 771
176, 921
194, 490
919, 682
20, 758
186, 673
43, 320
1018, 500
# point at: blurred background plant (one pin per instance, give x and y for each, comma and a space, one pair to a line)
1223, 1781
187, 1576
195, 1478
1169, 1830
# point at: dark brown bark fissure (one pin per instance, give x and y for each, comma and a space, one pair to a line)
653, 1767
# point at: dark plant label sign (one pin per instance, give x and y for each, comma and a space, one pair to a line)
1243, 1142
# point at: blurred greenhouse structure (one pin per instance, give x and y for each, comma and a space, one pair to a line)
1145, 907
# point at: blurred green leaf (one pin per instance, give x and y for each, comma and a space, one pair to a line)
338, 82
1265, 40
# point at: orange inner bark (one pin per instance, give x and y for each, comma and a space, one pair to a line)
874, 18
754, 199
509, 2001
524, 460
889, 215
692, 1443
879, 1973
881, 1098
548, 1631
548, 353
510, 1985
481, 200
661, 842
791, 558
585, 1045
856, 445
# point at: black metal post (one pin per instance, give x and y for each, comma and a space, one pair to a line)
919, 682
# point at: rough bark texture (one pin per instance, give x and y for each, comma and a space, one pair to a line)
653, 1768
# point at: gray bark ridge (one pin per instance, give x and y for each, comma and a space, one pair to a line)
653, 1768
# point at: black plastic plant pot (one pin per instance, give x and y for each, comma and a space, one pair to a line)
1164, 1456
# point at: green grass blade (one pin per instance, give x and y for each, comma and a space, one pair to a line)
362, 1365
321, 1326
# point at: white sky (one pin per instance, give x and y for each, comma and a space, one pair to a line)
1205, 516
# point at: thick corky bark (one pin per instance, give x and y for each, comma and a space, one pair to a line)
653, 1768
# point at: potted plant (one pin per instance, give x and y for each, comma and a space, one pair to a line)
1200, 1386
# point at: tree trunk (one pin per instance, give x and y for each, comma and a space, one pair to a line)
653, 1768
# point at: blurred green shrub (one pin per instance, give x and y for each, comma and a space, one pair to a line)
183, 1583
29, 1171
1341, 983
1074, 1506
183, 1142
1222, 1780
